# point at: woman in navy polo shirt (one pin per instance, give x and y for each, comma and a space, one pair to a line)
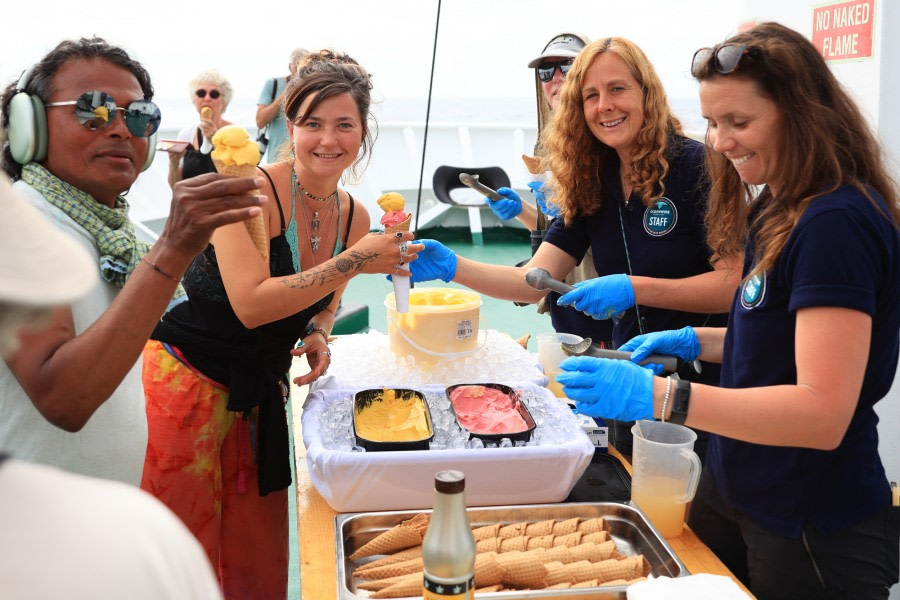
633, 189
794, 497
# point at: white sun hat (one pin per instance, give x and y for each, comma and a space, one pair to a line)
39, 264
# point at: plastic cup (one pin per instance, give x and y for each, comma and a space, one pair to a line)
665, 473
550, 354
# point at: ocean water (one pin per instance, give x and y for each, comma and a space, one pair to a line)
179, 112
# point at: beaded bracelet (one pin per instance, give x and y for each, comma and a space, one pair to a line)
665, 403
160, 271
313, 328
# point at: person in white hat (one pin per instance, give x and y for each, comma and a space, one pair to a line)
58, 527
80, 124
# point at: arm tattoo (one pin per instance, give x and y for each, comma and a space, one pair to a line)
351, 261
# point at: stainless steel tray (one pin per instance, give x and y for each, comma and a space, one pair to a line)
628, 526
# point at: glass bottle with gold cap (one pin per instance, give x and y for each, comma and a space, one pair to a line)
448, 549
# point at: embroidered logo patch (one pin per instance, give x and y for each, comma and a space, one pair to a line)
660, 217
753, 291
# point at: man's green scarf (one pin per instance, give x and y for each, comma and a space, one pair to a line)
112, 230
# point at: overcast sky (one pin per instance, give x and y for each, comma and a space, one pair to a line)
483, 45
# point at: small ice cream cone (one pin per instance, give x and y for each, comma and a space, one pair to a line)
487, 570
486, 532
566, 527
593, 525
541, 527
396, 538
414, 552
256, 226
597, 537
406, 567
402, 226
571, 539
533, 164
402, 589
380, 584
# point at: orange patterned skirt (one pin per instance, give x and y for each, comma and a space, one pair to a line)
200, 463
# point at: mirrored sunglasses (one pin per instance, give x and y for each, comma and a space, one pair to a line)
96, 110
214, 94
726, 57
546, 70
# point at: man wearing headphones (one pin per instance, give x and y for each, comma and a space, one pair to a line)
80, 127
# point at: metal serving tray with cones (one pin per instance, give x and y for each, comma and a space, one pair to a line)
628, 527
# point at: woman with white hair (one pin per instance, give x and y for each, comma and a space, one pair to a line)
211, 93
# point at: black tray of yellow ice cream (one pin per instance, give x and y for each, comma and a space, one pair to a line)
523, 435
391, 419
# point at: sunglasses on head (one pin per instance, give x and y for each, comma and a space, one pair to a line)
214, 94
96, 110
546, 70
726, 57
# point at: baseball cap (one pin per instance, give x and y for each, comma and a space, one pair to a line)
563, 45
39, 264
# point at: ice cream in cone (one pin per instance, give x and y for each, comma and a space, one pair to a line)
533, 164
396, 219
235, 154
206, 113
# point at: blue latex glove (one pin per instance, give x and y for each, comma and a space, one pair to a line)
435, 261
682, 343
509, 207
550, 209
601, 297
611, 389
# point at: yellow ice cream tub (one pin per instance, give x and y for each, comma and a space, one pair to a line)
441, 323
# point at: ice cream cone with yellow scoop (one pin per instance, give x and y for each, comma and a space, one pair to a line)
237, 155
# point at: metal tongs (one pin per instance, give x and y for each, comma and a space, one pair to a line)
671, 364
472, 182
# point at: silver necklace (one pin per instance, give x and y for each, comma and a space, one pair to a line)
312, 224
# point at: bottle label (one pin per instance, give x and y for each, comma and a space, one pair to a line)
461, 590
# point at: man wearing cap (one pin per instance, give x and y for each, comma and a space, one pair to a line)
71, 394
550, 68
58, 527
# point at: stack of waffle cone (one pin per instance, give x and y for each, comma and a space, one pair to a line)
256, 226
546, 554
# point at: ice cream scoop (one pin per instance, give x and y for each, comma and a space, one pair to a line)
540, 279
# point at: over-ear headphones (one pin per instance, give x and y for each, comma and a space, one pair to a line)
28, 127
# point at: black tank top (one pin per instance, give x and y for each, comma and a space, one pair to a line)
195, 162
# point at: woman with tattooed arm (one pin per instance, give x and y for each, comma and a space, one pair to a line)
215, 370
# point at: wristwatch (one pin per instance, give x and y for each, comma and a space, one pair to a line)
680, 402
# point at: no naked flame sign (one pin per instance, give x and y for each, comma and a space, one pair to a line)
843, 30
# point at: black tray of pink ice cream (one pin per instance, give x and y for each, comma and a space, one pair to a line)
515, 401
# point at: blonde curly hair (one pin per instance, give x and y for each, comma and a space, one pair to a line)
576, 157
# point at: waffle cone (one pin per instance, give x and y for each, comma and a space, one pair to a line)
488, 589
593, 526
524, 570
533, 164
613, 582
380, 584
418, 523
402, 589
396, 538
406, 567
487, 570
256, 226
562, 554
597, 537
414, 552
488, 545
586, 584
576, 572
523, 341
571, 539
541, 541
566, 527
486, 532
512, 530
517, 543
563, 585
540, 528
402, 226
626, 568
556, 574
